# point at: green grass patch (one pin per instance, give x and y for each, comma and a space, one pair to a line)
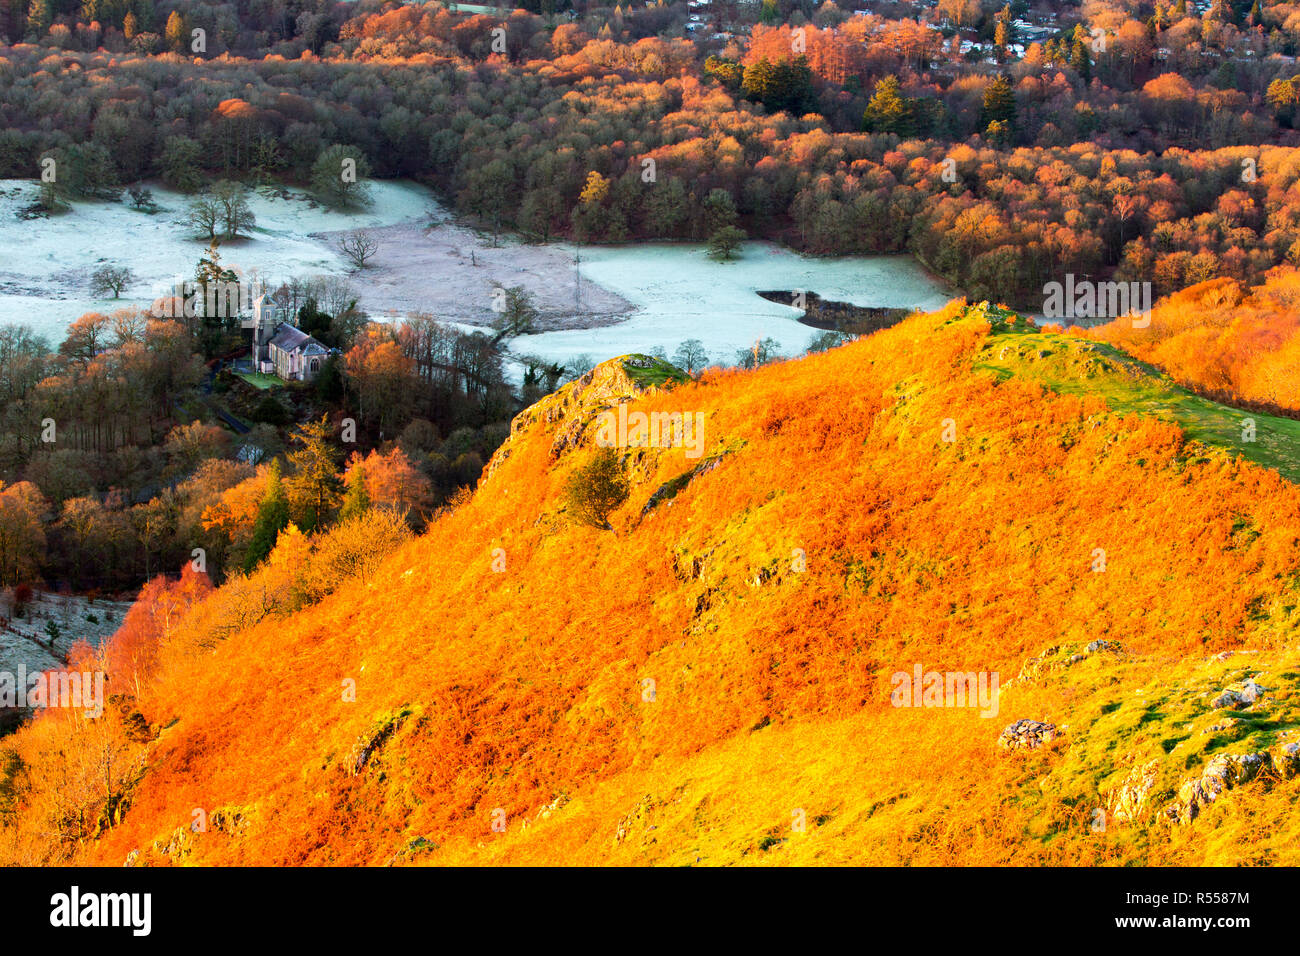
258, 380
1072, 366
650, 371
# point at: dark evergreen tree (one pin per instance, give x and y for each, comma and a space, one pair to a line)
272, 518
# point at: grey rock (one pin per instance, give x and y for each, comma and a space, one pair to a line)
1225, 772
1027, 734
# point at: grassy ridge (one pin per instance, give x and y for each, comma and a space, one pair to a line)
1073, 366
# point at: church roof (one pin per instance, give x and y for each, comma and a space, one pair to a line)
290, 339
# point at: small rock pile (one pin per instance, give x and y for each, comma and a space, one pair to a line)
1026, 734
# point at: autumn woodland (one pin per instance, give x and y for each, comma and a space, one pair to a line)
436, 587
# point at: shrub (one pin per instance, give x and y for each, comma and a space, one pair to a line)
354, 549
22, 597
271, 411
595, 490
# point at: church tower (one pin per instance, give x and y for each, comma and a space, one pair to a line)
265, 320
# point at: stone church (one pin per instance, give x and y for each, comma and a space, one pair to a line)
278, 348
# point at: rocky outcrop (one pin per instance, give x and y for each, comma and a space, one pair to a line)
232, 821
1062, 656
1231, 724
1128, 802
1027, 734
574, 407
1285, 760
1229, 698
670, 489
553, 807
637, 822
1227, 772
416, 848
634, 819
1221, 774
368, 744
1245, 694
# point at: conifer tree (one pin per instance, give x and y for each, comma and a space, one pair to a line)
999, 106
888, 111
357, 500
40, 15
211, 282
313, 487
272, 518
1081, 60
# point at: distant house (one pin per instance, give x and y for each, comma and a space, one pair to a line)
280, 348
297, 356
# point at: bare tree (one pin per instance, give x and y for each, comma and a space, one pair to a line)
223, 210
235, 212
516, 314
333, 294
128, 326
579, 366
358, 247
763, 351
110, 278
204, 216
691, 355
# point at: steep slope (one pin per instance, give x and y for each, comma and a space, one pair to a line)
710, 681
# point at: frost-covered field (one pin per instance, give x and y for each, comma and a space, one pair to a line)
452, 271
635, 297
45, 263
24, 639
680, 293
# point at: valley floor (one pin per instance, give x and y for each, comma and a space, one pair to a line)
619, 299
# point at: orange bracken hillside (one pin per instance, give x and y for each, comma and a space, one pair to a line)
709, 681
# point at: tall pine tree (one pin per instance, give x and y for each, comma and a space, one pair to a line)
357, 500
272, 518
314, 485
